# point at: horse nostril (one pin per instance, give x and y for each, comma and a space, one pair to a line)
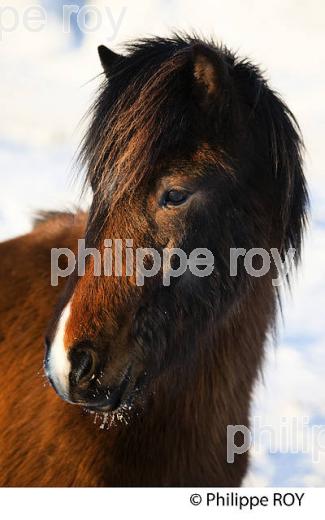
83, 366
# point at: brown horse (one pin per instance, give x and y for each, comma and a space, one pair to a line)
188, 148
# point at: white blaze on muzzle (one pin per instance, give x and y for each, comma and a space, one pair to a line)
58, 362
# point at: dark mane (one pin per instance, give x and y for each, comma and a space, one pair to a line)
145, 111
142, 113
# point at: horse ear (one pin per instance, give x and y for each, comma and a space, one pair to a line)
107, 57
210, 74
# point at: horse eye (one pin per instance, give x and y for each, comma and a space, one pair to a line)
175, 197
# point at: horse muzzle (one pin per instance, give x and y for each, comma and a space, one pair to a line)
79, 378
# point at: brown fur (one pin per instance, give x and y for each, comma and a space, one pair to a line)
175, 113
46, 442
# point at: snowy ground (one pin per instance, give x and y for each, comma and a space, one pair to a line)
45, 90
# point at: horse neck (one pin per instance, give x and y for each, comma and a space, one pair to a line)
181, 438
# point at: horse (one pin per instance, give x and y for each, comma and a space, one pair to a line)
187, 148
